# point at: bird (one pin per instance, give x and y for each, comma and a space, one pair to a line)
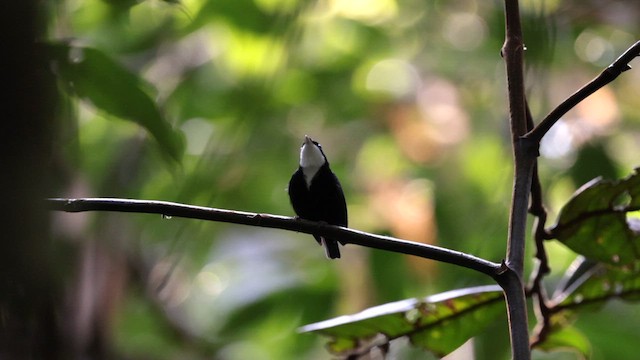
316, 194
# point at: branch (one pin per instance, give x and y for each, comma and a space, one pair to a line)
517, 313
525, 153
170, 209
536, 290
543, 312
609, 74
541, 269
538, 210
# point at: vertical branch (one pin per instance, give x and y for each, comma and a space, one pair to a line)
29, 286
517, 314
524, 154
513, 54
512, 51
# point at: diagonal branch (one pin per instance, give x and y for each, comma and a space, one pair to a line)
170, 209
609, 74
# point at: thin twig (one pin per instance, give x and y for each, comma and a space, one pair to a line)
609, 74
536, 208
170, 209
536, 288
539, 232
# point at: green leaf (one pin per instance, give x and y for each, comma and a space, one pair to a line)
438, 323
594, 222
90, 74
586, 285
580, 270
566, 338
598, 285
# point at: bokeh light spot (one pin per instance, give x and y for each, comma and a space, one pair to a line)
394, 77
593, 48
198, 131
465, 31
370, 11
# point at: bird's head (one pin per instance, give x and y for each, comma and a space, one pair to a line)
311, 155
311, 159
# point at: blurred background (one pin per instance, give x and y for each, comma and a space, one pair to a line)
407, 98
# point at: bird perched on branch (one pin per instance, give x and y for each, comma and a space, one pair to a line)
316, 194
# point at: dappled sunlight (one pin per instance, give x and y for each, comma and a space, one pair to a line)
170, 282
213, 279
392, 77
593, 48
485, 166
625, 147
601, 47
380, 161
408, 99
368, 11
305, 120
599, 113
169, 67
558, 142
439, 103
414, 135
327, 40
277, 6
395, 202
198, 132
407, 209
536, 6
243, 270
434, 124
465, 31
591, 120
247, 54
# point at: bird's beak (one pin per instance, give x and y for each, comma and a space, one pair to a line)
308, 140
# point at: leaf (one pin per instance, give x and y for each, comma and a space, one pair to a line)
586, 285
566, 338
580, 270
438, 323
600, 284
91, 74
594, 222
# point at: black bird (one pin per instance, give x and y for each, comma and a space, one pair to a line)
316, 194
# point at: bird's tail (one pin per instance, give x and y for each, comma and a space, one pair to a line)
330, 248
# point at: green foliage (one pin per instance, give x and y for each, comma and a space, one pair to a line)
598, 284
90, 74
597, 221
439, 323
567, 338
407, 98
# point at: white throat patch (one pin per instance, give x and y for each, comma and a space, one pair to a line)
311, 159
